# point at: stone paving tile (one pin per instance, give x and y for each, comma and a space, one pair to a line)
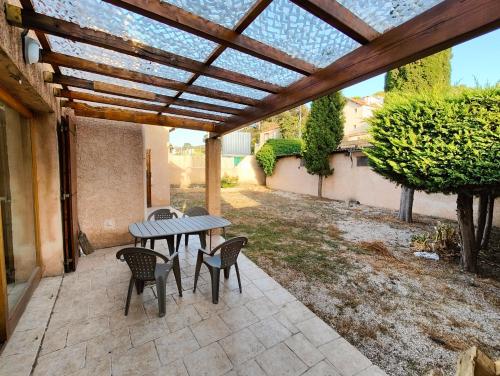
241, 346
266, 284
345, 357
62, 362
281, 361
238, 318
208, 361
297, 312
54, 339
262, 307
18, 365
285, 321
140, 361
304, 349
87, 330
279, 296
176, 368
24, 342
372, 371
100, 367
322, 369
270, 332
210, 330
147, 331
207, 309
114, 342
180, 317
317, 331
250, 368
176, 345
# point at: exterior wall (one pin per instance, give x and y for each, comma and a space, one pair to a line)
156, 139
187, 170
360, 183
110, 182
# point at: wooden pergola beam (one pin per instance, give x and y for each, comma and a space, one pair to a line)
79, 95
179, 18
64, 29
82, 109
103, 87
125, 74
442, 26
340, 18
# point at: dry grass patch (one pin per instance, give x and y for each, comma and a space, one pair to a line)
376, 247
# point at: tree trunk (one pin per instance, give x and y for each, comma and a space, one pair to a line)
320, 186
406, 204
466, 226
489, 221
482, 211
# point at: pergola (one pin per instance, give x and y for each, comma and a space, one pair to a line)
220, 65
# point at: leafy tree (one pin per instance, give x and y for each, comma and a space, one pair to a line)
291, 122
323, 132
273, 149
445, 144
429, 75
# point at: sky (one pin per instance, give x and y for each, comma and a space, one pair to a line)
473, 62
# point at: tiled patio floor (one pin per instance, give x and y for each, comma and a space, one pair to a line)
263, 331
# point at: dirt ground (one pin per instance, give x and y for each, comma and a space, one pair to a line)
407, 314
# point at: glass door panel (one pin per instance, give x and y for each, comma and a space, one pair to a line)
16, 199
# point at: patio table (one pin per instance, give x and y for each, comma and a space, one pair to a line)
169, 228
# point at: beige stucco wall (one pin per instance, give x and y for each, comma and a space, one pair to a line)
350, 182
110, 183
156, 140
188, 170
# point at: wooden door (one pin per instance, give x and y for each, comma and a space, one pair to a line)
67, 163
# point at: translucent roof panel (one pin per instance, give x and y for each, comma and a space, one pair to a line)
228, 87
116, 59
199, 98
199, 110
116, 81
93, 104
251, 66
383, 15
297, 32
98, 15
226, 13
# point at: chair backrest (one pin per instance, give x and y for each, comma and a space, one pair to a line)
160, 214
141, 261
230, 249
196, 211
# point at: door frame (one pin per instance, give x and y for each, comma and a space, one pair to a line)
10, 317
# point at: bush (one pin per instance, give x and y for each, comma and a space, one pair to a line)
229, 181
444, 241
274, 149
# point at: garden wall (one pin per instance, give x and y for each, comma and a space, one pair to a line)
188, 170
359, 183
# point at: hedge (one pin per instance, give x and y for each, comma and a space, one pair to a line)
274, 149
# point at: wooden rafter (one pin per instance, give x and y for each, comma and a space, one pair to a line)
258, 7
103, 87
194, 24
80, 95
442, 26
108, 70
340, 18
71, 31
82, 109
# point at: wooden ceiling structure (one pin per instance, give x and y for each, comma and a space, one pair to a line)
355, 45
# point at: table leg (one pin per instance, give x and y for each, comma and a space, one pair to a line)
143, 242
203, 240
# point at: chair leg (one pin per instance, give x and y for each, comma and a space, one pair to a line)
135, 242
215, 274
177, 274
199, 261
139, 285
152, 244
186, 241
226, 272
178, 242
161, 288
238, 275
129, 294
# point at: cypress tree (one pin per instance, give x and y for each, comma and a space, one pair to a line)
323, 132
429, 75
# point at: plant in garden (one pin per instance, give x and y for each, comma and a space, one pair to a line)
323, 132
444, 144
274, 149
429, 75
229, 181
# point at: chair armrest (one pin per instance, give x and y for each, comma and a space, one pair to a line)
172, 256
205, 252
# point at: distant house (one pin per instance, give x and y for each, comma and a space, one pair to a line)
357, 111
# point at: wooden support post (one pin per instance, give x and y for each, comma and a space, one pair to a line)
213, 148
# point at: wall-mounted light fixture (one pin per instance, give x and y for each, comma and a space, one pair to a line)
31, 50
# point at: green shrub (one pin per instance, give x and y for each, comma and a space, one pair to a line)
274, 149
229, 181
